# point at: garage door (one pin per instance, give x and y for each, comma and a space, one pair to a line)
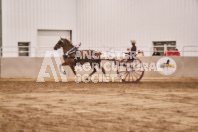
47, 39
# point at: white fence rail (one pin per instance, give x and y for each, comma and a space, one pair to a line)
13, 51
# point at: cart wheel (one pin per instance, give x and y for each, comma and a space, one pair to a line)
130, 71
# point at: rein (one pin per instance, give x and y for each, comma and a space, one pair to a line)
72, 50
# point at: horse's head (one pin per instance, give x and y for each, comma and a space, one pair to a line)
59, 44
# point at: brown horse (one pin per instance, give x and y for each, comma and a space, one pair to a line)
72, 60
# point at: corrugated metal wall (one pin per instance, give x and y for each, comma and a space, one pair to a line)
113, 23
22, 19
103, 23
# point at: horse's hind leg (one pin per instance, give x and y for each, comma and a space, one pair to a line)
103, 71
94, 71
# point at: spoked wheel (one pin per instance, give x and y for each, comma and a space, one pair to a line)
130, 71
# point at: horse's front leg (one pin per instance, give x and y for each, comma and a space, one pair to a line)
73, 69
61, 68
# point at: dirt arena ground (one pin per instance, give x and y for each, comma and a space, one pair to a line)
151, 105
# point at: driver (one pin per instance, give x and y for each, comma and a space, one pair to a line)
133, 49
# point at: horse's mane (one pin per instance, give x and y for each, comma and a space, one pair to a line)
68, 42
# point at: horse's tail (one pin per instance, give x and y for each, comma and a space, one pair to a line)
98, 55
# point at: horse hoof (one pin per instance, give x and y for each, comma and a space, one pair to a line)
64, 73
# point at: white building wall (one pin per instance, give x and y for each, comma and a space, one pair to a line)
103, 24
23, 18
113, 23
